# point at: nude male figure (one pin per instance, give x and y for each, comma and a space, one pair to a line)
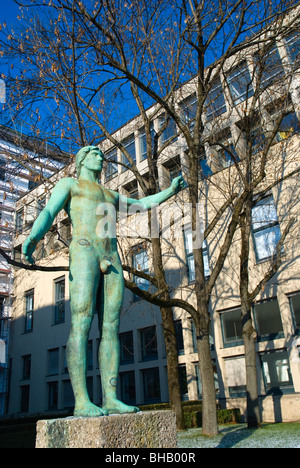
96, 276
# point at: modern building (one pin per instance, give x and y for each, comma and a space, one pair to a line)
41, 314
24, 164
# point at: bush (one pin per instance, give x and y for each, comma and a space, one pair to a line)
227, 416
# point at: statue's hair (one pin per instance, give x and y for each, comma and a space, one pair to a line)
81, 155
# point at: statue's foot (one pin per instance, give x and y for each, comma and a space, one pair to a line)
117, 407
89, 410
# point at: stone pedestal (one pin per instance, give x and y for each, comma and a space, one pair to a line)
153, 429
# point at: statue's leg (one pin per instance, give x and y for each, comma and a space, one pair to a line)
84, 281
111, 300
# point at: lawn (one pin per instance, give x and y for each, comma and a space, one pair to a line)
282, 435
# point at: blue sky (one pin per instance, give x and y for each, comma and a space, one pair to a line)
9, 12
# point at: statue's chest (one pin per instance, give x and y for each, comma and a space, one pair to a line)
87, 193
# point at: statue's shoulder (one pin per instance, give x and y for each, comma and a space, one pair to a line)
66, 183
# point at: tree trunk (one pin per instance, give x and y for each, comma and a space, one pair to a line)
172, 366
249, 333
249, 336
209, 405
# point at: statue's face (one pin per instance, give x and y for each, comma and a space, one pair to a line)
94, 160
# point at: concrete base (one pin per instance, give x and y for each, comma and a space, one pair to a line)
153, 429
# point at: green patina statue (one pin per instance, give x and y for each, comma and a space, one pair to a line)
96, 276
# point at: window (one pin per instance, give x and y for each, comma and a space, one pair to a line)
235, 369
90, 360
268, 320
189, 109
190, 256
53, 361
289, 126
204, 169
68, 395
151, 385
26, 367
112, 166
215, 102
295, 307
129, 145
126, 345
30, 214
232, 329
41, 203
174, 167
148, 339
276, 372
52, 395
25, 392
140, 262
170, 130
239, 82
59, 316
127, 381
265, 228
2, 169
143, 141
29, 307
19, 220
179, 337
269, 67
132, 189
293, 46
183, 382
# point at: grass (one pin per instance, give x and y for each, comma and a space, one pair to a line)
280, 435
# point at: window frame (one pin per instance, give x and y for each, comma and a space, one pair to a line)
29, 313
267, 226
59, 317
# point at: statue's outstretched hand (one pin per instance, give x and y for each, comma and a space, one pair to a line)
28, 249
178, 184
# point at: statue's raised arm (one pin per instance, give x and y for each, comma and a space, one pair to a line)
59, 199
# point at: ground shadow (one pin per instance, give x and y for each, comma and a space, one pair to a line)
234, 435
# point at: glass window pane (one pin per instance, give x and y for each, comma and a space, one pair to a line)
293, 46
270, 67
112, 167
266, 242
148, 343
129, 144
268, 319
276, 372
53, 361
264, 213
140, 262
295, 305
128, 387
143, 141
151, 384
215, 102
232, 326
288, 127
239, 82
126, 345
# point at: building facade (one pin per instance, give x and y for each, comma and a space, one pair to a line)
16, 179
41, 316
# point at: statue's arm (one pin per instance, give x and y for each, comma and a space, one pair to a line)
58, 200
146, 203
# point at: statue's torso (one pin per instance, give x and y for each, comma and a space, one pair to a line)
90, 204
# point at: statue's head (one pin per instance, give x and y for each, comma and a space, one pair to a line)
90, 157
